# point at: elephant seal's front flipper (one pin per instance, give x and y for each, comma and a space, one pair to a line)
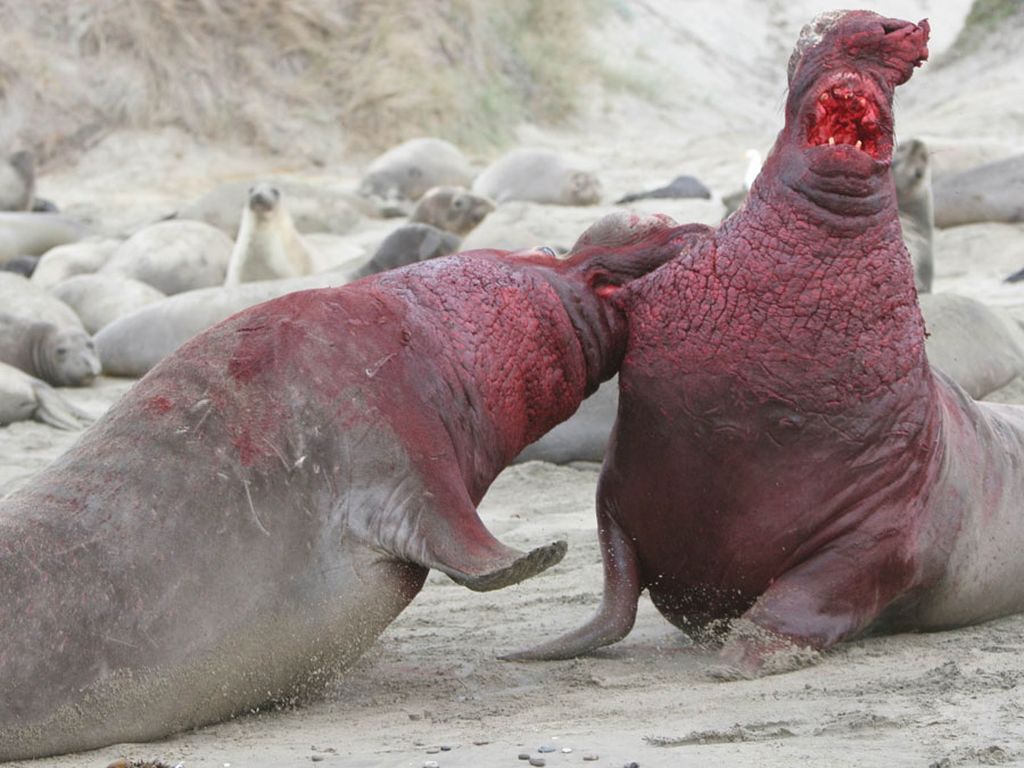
56, 411
456, 542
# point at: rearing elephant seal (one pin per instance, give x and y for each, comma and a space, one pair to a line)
267, 247
256, 510
776, 392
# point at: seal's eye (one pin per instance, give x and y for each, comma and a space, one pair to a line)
458, 203
62, 351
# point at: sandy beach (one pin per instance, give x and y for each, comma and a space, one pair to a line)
432, 689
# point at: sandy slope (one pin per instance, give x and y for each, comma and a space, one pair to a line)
954, 698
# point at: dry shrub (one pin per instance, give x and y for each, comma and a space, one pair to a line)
284, 73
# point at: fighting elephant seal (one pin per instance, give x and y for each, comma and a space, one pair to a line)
406, 172
409, 244
24, 397
173, 256
99, 300
537, 176
268, 247
912, 176
253, 513
17, 182
991, 192
776, 391
453, 209
63, 357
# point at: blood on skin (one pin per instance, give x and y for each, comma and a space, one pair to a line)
844, 115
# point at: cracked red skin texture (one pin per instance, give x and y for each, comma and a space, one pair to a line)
780, 433
228, 485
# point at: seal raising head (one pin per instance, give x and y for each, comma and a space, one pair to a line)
777, 454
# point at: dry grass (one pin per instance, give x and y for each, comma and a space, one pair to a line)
988, 19
374, 71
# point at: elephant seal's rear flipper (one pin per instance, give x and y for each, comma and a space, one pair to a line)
56, 411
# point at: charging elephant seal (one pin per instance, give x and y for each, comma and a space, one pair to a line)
251, 515
816, 478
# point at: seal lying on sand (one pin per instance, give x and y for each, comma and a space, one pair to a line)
99, 300
453, 209
64, 357
253, 513
173, 256
680, 187
24, 397
538, 176
406, 172
409, 244
267, 247
911, 173
33, 234
84, 257
20, 297
17, 182
815, 476
992, 192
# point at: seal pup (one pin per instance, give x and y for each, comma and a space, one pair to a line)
173, 256
99, 300
84, 257
409, 244
63, 357
24, 397
453, 209
268, 247
33, 234
20, 297
911, 173
17, 182
991, 192
776, 392
681, 187
538, 176
405, 173
248, 518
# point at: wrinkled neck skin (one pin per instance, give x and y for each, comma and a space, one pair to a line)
521, 349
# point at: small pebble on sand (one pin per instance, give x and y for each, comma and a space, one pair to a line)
566, 750
431, 764
591, 757
545, 748
538, 761
524, 755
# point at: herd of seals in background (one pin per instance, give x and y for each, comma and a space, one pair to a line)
223, 301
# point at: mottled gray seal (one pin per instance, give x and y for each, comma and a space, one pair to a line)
173, 256
406, 172
24, 397
453, 209
253, 513
991, 192
911, 172
684, 187
409, 244
268, 247
17, 182
63, 357
99, 300
537, 176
